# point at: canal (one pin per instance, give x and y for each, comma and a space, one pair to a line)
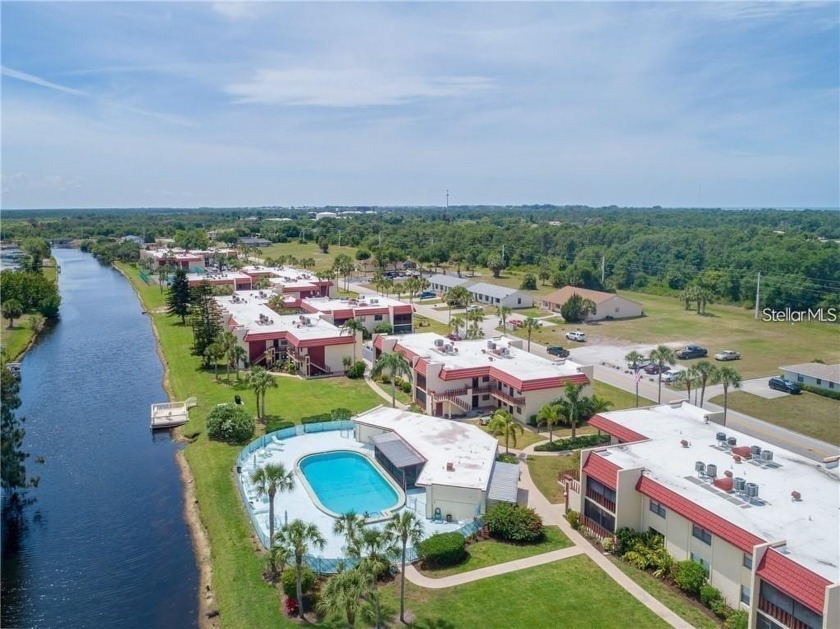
105, 543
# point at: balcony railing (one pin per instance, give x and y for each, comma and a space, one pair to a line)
781, 615
608, 504
510, 399
453, 395
573, 483
599, 531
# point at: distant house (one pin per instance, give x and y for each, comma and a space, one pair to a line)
607, 305
137, 240
254, 242
322, 215
814, 374
441, 283
493, 295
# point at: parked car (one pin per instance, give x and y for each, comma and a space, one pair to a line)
427, 294
556, 350
484, 420
474, 308
653, 369
639, 364
692, 351
727, 354
780, 383
670, 376
577, 335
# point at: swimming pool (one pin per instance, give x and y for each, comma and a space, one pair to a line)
344, 481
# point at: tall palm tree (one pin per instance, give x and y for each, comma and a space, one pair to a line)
260, 381
635, 358
227, 341
343, 593
456, 323
238, 356
573, 406
728, 377
298, 537
476, 317
690, 378
407, 528
504, 425
353, 326
456, 297
350, 526
268, 480
374, 549
396, 365
549, 414
707, 374
661, 356
503, 312
530, 324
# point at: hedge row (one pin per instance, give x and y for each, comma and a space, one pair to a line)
834, 395
587, 441
443, 549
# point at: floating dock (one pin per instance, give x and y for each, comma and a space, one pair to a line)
171, 414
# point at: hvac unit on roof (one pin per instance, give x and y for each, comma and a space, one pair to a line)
439, 342
711, 470
751, 490
766, 455
374, 301
755, 451
720, 437
505, 351
732, 442
700, 467
739, 485
491, 345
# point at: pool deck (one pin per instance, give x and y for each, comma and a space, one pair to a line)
297, 504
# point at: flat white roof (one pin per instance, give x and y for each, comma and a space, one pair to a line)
477, 353
470, 450
247, 314
816, 370
810, 526
492, 290
326, 304
218, 275
448, 280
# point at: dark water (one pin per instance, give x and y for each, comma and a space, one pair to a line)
105, 544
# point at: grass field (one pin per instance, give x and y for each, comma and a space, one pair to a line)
15, 340
807, 413
545, 470
570, 593
323, 261
423, 324
490, 552
523, 440
763, 345
620, 398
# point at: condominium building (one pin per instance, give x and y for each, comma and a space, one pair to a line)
368, 310
763, 521
452, 378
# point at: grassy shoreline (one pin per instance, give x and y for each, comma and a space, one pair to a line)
18, 340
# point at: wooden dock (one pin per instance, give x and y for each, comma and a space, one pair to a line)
171, 414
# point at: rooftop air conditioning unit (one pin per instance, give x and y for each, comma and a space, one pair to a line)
711, 470
505, 351
732, 441
438, 342
752, 490
720, 437
755, 451
766, 455
491, 345
700, 467
739, 485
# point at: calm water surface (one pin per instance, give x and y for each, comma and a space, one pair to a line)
105, 544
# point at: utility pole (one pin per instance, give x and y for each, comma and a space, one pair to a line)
602, 271
447, 199
757, 293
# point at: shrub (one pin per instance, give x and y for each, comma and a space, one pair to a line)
532, 420
443, 549
720, 608
403, 385
514, 523
529, 282
709, 594
608, 544
230, 423
356, 370
290, 606
737, 620
561, 445
281, 425
573, 518
689, 576
834, 395
507, 458
289, 581
383, 328
625, 538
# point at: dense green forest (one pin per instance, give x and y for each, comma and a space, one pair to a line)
716, 252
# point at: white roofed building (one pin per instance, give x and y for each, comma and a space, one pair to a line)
453, 378
763, 521
368, 309
493, 295
441, 283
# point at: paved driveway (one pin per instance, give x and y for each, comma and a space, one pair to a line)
759, 387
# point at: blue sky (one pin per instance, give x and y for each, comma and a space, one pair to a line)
230, 104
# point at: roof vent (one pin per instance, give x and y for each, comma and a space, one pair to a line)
439, 342
728, 474
684, 443
796, 496
450, 467
732, 441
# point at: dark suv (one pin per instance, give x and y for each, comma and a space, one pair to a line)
780, 383
692, 351
556, 350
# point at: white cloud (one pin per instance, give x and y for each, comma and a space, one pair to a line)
235, 10
349, 88
35, 80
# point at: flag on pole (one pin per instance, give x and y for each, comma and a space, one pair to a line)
638, 375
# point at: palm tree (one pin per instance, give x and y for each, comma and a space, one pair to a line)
504, 425
406, 527
260, 381
689, 377
456, 323
227, 341
476, 317
268, 480
728, 377
343, 593
396, 365
503, 312
573, 406
350, 525
237, 356
661, 356
635, 358
549, 414
353, 326
456, 297
212, 354
530, 324
707, 374
298, 537
374, 549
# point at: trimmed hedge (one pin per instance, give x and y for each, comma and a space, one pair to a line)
443, 549
289, 581
689, 576
514, 523
834, 395
356, 370
230, 423
586, 441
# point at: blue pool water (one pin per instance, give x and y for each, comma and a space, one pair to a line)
346, 481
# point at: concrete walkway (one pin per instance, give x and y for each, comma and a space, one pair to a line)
413, 575
382, 393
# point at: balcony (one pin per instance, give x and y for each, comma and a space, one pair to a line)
781, 615
598, 499
453, 396
572, 482
599, 531
510, 399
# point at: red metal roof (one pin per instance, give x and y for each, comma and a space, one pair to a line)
600, 469
553, 382
793, 579
420, 367
724, 529
618, 431
377, 341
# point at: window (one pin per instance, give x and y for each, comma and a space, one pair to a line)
790, 606
748, 561
599, 516
484, 398
702, 534
745, 595
819, 381
657, 508
600, 489
830, 385
697, 559
799, 378
618, 309
485, 378
498, 300
377, 317
519, 301
518, 411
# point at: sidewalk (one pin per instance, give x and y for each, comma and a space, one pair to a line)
382, 393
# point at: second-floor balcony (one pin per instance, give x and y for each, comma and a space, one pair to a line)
598, 499
510, 399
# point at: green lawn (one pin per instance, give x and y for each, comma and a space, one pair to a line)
807, 413
691, 611
490, 552
570, 593
527, 438
423, 324
323, 261
546, 470
15, 340
620, 398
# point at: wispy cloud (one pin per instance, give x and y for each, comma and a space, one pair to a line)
36, 80
235, 10
348, 88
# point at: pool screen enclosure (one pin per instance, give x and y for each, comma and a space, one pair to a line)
400, 460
